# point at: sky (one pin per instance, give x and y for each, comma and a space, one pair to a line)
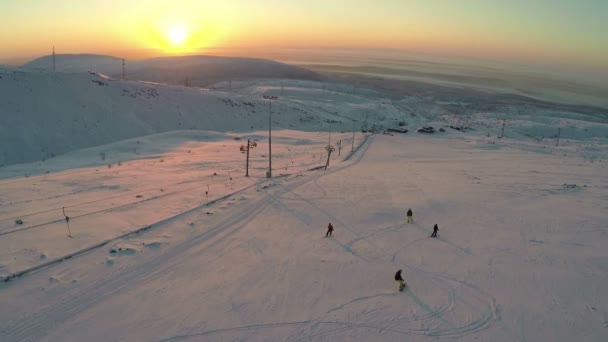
556, 32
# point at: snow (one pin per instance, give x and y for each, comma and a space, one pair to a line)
521, 253
122, 193
194, 70
44, 113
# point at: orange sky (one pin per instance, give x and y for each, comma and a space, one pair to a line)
554, 32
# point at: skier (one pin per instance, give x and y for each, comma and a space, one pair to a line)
410, 216
330, 230
435, 230
399, 278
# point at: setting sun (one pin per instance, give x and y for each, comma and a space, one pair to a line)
177, 35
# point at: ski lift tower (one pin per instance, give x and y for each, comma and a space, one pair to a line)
270, 98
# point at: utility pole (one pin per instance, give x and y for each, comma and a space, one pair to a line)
67, 222
53, 58
123, 68
559, 130
339, 147
352, 149
269, 98
502, 133
329, 150
247, 164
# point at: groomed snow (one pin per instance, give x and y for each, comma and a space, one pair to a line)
170, 174
521, 253
519, 256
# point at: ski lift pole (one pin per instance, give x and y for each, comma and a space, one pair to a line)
352, 149
67, 222
247, 162
329, 150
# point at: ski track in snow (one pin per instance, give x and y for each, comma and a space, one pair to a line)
38, 325
446, 303
462, 310
472, 300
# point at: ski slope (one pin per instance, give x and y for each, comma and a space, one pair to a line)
172, 173
170, 242
519, 256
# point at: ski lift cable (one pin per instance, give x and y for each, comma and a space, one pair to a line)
110, 208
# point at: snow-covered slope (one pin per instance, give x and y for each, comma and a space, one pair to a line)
169, 241
43, 115
180, 70
72, 63
128, 180
520, 256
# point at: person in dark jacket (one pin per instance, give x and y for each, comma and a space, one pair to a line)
410, 216
330, 230
435, 230
399, 278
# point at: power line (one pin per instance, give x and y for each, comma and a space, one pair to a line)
107, 209
94, 201
97, 200
123, 205
138, 202
63, 173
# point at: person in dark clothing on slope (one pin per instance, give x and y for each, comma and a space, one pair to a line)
330, 230
410, 216
435, 230
399, 278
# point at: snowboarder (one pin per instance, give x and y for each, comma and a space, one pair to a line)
410, 216
399, 278
330, 230
435, 230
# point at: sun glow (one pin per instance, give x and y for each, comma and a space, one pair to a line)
177, 35
174, 37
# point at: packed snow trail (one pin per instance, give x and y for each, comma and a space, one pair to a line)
259, 268
38, 324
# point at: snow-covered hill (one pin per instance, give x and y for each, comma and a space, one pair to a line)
168, 240
76, 63
198, 71
520, 256
44, 115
